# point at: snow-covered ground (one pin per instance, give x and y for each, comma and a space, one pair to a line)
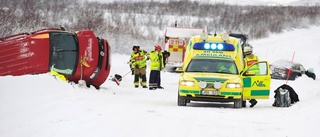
42, 106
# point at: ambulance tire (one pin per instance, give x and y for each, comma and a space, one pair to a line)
238, 103
181, 101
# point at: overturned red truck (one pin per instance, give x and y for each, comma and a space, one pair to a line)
77, 56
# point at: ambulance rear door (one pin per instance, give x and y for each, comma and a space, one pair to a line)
176, 49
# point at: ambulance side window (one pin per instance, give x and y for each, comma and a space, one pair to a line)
258, 69
263, 68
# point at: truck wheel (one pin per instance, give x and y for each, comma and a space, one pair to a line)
181, 101
238, 104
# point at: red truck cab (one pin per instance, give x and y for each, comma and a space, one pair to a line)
77, 56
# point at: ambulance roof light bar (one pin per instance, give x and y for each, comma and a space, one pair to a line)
213, 46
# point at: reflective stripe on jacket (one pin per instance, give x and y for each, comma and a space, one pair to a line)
156, 60
250, 61
138, 59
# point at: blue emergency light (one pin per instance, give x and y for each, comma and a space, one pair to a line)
213, 46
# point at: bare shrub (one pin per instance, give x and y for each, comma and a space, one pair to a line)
145, 21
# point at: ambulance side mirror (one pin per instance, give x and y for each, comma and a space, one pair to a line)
249, 73
179, 70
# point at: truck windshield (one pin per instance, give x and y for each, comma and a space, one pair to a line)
212, 66
63, 52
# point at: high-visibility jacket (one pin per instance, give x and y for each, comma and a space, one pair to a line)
138, 60
250, 61
156, 60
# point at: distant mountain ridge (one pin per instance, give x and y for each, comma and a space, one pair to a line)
236, 2
135, 22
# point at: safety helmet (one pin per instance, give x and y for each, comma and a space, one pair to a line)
247, 48
158, 47
134, 47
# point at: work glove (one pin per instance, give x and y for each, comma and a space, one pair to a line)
136, 66
132, 70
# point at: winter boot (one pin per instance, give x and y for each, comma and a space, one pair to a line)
253, 102
152, 88
160, 87
244, 104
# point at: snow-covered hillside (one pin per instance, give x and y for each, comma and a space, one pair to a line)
42, 106
240, 2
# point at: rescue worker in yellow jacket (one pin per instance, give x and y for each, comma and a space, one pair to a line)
138, 63
249, 60
156, 65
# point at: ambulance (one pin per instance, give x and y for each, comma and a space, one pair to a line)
214, 71
175, 40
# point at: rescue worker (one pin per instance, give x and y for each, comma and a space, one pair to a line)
130, 64
249, 60
156, 65
226, 67
138, 63
166, 55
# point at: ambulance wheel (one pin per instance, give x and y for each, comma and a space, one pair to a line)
181, 101
238, 104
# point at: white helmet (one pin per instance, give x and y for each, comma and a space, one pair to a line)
247, 48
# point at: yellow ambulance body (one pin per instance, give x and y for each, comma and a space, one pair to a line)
214, 71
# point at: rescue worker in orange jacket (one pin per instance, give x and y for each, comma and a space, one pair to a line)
156, 65
249, 60
138, 63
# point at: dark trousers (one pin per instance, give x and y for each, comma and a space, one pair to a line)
154, 79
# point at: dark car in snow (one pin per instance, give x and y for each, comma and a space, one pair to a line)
285, 69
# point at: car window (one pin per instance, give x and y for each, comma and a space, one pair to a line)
63, 52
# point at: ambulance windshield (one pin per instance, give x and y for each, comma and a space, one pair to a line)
212, 66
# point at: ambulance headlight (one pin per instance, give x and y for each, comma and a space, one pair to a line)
187, 83
225, 36
217, 85
233, 85
202, 84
